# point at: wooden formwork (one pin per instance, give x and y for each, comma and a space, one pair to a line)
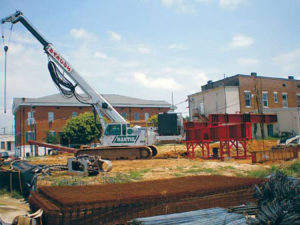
276, 153
118, 203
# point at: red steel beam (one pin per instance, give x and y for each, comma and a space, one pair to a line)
242, 118
56, 147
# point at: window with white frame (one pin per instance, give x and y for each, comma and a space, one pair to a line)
50, 117
146, 116
30, 119
247, 98
284, 100
275, 95
265, 99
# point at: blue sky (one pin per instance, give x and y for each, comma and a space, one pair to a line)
150, 48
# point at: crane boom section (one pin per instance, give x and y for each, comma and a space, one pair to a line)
100, 103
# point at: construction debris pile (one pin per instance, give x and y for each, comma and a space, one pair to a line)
119, 203
279, 201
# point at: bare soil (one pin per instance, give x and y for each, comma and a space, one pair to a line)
170, 162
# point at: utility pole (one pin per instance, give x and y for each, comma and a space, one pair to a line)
259, 107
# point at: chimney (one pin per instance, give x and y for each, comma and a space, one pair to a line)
291, 77
253, 74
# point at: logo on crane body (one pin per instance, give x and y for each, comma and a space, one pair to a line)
59, 58
125, 139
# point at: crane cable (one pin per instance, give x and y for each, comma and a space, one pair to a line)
67, 88
5, 59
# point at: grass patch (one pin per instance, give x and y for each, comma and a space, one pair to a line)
117, 179
181, 168
201, 170
228, 167
125, 178
13, 194
292, 170
258, 173
73, 181
178, 174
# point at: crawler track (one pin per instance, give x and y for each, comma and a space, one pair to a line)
122, 152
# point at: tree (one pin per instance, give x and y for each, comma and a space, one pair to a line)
51, 138
82, 129
153, 120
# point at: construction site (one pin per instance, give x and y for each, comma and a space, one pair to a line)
81, 157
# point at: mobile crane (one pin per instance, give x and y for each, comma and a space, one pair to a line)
119, 140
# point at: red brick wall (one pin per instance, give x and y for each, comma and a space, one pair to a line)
270, 85
61, 114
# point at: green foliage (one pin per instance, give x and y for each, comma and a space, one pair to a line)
153, 120
292, 170
125, 178
51, 138
13, 194
295, 168
73, 181
201, 170
82, 129
259, 173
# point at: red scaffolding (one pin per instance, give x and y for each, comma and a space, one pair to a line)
232, 131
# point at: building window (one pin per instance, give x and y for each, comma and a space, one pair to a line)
124, 114
284, 100
265, 99
30, 135
74, 114
146, 116
247, 98
275, 97
50, 117
136, 116
8, 145
298, 100
2, 145
30, 119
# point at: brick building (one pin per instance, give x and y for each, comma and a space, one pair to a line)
35, 116
251, 94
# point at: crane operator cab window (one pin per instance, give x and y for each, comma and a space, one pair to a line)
113, 129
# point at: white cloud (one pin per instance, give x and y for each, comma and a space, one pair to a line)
241, 41
81, 34
289, 61
114, 36
183, 6
158, 83
100, 55
231, 4
177, 47
24, 38
248, 61
143, 50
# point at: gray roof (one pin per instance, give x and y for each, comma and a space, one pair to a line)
113, 99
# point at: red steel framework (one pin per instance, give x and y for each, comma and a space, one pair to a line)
231, 130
